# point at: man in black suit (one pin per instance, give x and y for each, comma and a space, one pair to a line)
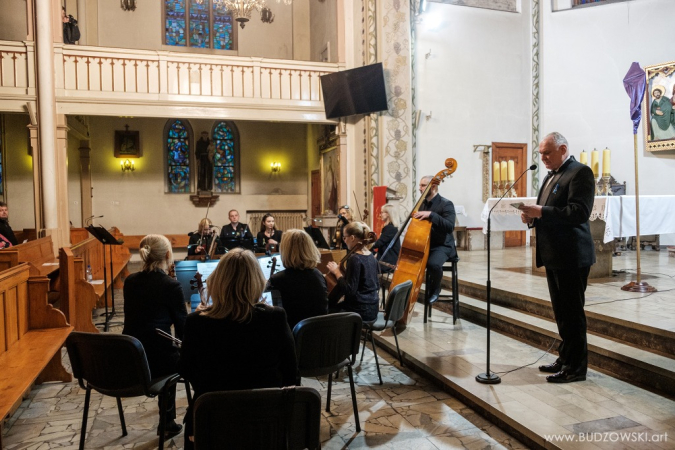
441, 212
236, 234
565, 248
7, 238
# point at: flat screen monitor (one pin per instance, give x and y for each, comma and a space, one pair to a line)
355, 91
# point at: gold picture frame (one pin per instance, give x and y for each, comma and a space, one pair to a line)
330, 179
127, 143
659, 113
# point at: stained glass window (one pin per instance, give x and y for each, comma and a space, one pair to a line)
199, 25
178, 157
224, 159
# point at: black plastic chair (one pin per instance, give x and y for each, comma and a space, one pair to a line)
393, 312
452, 298
285, 419
115, 365
325, 344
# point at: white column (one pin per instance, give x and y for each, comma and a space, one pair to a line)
82, 21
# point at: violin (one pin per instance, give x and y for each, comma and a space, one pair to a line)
331, 278
198, 284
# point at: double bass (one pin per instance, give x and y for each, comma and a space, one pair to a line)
412, 259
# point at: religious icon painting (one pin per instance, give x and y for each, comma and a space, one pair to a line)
127, 143
659, 107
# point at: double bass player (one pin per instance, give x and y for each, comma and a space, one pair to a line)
441, 213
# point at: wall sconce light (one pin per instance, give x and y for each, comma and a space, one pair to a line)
275, 167
127, 165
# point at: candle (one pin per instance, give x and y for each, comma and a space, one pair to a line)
605, 162
503, 171
583, 158
511, 170
495, 172
594, 162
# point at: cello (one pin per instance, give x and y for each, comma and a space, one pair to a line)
412, 259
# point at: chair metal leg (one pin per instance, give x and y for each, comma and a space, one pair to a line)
83, 433
455, 294
162, 419
365, 336
188, 392
330, 382
377, 363
122, 421
398, 350
356, 409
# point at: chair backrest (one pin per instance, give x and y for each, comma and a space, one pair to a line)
287, 419
112, 364
325, 343
397, 301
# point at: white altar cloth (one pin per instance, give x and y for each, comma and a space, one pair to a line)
657, 215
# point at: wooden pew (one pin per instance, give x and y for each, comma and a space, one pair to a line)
32, 333
39, 254
78, 297
78, 235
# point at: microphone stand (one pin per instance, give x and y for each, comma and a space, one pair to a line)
490, 377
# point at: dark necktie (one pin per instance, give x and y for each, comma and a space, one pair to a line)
548, 184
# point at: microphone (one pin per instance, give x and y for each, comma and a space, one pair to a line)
90, 218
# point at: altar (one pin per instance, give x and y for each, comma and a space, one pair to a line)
612, 217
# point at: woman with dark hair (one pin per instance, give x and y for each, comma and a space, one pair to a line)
152, 299
236, 343
268, 237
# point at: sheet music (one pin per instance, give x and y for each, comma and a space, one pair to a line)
205, 268
266, 265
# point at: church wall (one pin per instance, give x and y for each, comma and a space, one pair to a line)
587, 53
18, 172
74, 188
323, 30
13, 25
476, 86
136, 203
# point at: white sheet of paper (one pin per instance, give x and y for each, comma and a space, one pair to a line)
96, 282
50, 264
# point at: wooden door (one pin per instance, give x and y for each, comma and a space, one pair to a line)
316, 193
505, 151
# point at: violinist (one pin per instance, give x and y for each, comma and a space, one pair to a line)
390, 219
359, 283
441, 213
236, 234
344, 218
268, 237
203, 239
152, 299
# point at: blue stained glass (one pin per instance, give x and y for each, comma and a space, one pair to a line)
175, 22
222, 28
178, 158
199, 25
224, 159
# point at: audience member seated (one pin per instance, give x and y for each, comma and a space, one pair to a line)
236, 342
7, 238
152, 299
202, 240
359, 284
269, 237
302, 288
236, 234
389, 216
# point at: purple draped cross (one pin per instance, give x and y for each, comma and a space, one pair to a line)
635, 85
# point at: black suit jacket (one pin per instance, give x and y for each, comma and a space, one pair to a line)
563, 233
239, 237
388, 233
442, 222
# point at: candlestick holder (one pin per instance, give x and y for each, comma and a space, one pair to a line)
496, 190
598, 187
512, 192
606, 188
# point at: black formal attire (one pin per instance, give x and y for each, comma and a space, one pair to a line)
303, 293
565, 247
155, 300
386, 236
262, 241
7, 232
239, 236
360, 286
224, 355
205, 241
442, 245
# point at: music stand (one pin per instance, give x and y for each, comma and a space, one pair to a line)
317, 237
105, 238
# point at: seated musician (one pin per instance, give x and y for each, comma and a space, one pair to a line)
344, 218
441, 213
236, 234
202, 240
236, 342
300, 285
359, 284
152, 299
7, 238
269, 237
389, 216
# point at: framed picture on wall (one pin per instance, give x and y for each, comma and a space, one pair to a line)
330, 179
127, 143
659, 107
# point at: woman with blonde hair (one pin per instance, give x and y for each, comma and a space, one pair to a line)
301, 287
152, 299
203, 238
390, 219
359, 284
236, 342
